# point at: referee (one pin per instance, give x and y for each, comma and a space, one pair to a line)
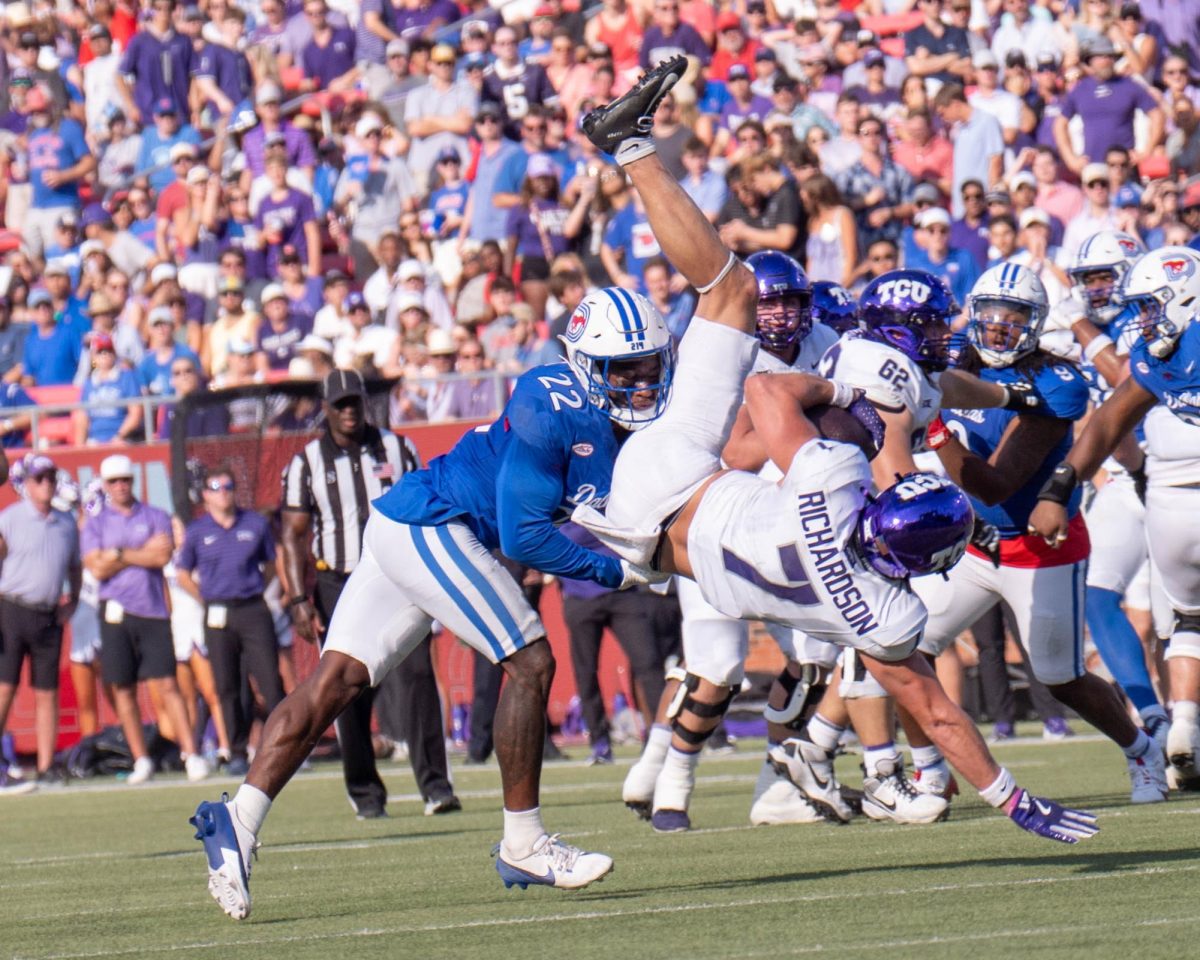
327, 492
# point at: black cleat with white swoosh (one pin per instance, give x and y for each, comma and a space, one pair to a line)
632, 115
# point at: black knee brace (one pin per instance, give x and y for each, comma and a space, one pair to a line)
795, 695
683, 701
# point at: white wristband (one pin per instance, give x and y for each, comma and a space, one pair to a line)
1095, 346
843, 394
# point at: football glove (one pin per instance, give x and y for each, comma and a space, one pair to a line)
937, 434
1139, 482
986, 538
1051, 820
1023, 397
633, 576
865, 413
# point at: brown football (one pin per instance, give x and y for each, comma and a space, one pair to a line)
835, 423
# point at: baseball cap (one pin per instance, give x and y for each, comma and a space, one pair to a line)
272, 291
543, 10
1032, 215
269, 92
599, 50
1099, 46
102, 342
474, 61
449, 155
100, 302
181, 150
318, 344
1047, 61
866, 38
332, 277
94, 213
98, 31
738, 71
39, 297
440, 343
997, 195
934, 215
397, 47
161, 315
1093, 172
276, 137
1016, 58
541, 165
873, 58
488, 109
984, 58
28, 39
355, 301
231, 285
91, 246
56, 267
443, 53
68, 219
412, 269
765, 55
291, 254
368, 123
165, 105
196, 175
38, 464
410, 301
1128, 196
927, 193
728, 21
116, 467
240, 347
1022, 179
341, 384
1191, 197
783, 81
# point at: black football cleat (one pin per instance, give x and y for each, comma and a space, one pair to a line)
632, 115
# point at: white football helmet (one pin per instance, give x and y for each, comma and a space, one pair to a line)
1161, 293
1007, 308
607, 329
1100, 266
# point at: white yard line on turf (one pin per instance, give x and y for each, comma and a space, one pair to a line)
674, 908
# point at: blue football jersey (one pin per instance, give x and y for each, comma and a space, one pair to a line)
1066, 395
513, 482
1175, 380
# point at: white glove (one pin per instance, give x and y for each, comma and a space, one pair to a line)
634, 576
1062, 344
1064, 315
631, 545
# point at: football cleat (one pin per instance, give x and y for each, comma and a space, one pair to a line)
1049, 819
1148, 774
937, 780
13, 786
890, 795
1188, 783
552, 863
670, 821
1056, 728
1182, 741
811, 770
631, 116
1157, 728
228, 850
435, 806
777, 800
602, 754
197, 767
638, 788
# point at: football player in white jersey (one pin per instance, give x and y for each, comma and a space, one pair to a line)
1086, 328
840, 573
1162, 294
1002, 460
660, 784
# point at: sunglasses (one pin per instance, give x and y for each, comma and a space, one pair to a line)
217, 486
42, 477
183, 372
115, 480
470, 356
972, 196
1098, 183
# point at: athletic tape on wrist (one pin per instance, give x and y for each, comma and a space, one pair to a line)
1095, 346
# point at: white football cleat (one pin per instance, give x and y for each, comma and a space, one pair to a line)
889, 795
197, 767
810, 768
937, 780
638, 789
142, 772
1148, 774
777, 800
552, 863
1182, 743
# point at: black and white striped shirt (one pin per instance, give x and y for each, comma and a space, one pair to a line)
336, 485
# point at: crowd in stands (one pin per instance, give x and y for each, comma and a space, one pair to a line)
213, 194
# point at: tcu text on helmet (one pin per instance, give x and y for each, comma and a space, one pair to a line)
902, 288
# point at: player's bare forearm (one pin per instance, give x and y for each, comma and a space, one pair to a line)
965, 391
745, 449
1020, 453
1107, 425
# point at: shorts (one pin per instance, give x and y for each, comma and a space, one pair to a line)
85, 634
137, 648
411, 575
36, 634
187, 625
663, 464
535, 268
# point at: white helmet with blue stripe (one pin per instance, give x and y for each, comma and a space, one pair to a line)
1099, 267
1007, 309
619, 345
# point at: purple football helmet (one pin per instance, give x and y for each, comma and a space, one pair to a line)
834, 306
784, 299
918, 526
911, 311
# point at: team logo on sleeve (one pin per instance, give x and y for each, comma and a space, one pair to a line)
1176, 268
583, 449
577, 323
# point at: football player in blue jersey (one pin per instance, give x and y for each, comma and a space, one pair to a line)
810, 551
1090, 328
1162, 295
427, 555
1002, 459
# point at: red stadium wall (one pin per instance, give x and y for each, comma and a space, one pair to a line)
453, 658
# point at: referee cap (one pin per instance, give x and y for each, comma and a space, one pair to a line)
342, 384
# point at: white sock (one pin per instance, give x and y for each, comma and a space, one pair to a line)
1155, 712
823, 733
673, 789
873, 756
658, 741
522, 829
1140, 745
924, 757
250, 807
1185, 711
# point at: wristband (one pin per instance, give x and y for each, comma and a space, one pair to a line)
937, 435
843, 394
295, 602
1060, 486
1095, 345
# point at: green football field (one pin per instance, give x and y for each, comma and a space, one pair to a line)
102, 870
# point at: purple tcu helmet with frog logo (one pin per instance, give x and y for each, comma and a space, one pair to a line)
834, 306
911, 311
784, 299
918, 526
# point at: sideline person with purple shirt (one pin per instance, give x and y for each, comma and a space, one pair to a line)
157, 63
1107, 103
227, 551
328, 59
125, 546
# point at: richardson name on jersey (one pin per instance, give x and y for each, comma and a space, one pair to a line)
834, 573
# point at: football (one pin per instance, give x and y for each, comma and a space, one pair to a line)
837, 423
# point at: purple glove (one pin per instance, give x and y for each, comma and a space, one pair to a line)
1049, 819
864, 411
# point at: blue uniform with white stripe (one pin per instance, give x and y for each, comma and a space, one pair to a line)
1175, 380
512, 482
1066, 397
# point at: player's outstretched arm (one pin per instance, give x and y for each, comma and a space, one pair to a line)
776, 403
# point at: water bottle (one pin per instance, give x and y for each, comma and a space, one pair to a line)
459, 723
573, 725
